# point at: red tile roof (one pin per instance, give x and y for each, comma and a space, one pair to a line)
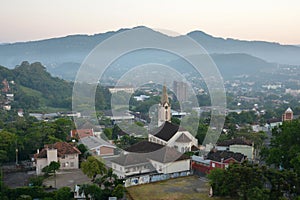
81, 133
63, 148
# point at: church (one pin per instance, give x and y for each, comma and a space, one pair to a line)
162, 153
169, 134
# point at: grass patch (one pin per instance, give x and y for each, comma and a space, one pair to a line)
173, 189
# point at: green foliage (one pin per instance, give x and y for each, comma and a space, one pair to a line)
248, 181
104, 186
108, 133
127, 141
34, 192
8, 143
36, 181
63, 193
175, 120
285, 146
82, 148
29, 135
24, 197
92, 167
51, 168
118, 191
91, 190
35, 88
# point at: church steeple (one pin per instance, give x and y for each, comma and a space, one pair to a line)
164, 108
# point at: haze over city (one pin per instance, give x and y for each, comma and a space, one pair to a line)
273, 21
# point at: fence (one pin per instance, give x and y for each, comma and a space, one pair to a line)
144, 179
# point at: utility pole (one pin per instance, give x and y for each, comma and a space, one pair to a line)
17, 156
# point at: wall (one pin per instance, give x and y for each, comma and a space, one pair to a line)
176, 166
40, 164
70, 161
106, 150
244, 149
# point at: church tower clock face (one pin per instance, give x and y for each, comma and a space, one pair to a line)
166, 107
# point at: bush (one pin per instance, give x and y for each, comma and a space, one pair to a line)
36, 181
63, 193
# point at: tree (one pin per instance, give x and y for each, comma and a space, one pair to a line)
285, 146
51, 168
118, 191
92, 167
108, 133
84, 151
63, 193
91, 190
7, 146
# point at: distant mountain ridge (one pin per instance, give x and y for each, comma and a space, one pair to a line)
63, 56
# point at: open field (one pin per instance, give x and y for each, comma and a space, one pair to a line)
187, 188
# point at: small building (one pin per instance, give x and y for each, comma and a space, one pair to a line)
288, 115
64, 153
238, 145
127, 89
98, 146
274, 122
81, 133
215, 159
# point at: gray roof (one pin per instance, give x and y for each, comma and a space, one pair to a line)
183, 138
131, 159
92, 142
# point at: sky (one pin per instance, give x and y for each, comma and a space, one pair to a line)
267, 20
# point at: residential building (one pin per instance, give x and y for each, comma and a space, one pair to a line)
64, 153
126, 89
81, 133
147, 157
238, 145
98, 146
288, 115
215, 159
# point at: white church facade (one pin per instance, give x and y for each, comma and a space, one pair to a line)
170, 134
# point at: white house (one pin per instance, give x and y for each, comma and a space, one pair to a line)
64, 153
146, 157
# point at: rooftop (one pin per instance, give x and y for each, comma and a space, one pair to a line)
93, 142
144, 147
239, 141
63, 148
224, 155
166, 131
183, 139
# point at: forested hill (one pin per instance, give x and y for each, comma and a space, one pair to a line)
34, 88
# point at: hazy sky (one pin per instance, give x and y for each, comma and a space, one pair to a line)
270, 20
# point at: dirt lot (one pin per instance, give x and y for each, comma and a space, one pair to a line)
17, 179
188, 188
67, 178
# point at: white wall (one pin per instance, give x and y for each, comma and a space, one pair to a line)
244, 149
176, 166
40, 164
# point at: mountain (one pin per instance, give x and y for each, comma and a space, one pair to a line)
36, 89
271, 52
63, 56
